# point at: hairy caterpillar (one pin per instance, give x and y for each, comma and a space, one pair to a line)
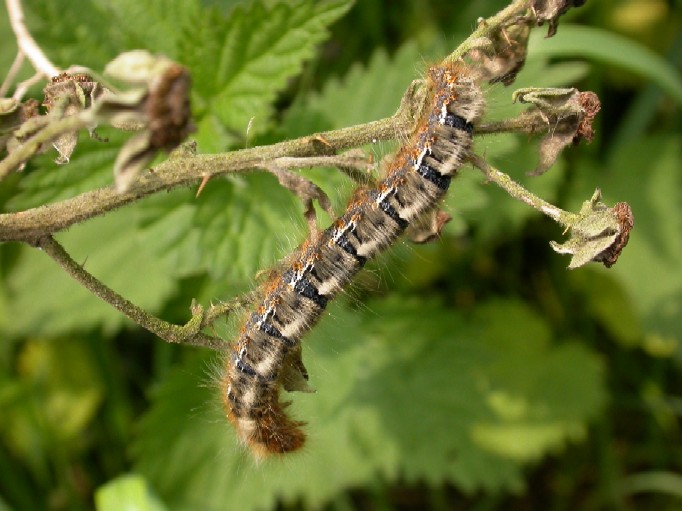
267, 353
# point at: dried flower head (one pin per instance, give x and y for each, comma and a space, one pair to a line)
69, 94
158, 103
598, 234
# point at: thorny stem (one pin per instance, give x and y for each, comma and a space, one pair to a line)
564, 218
176, 171
26, 43
36, 222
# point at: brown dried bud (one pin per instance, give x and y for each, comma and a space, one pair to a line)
71, 89
158, 104
168, 109
626, 220
590, 106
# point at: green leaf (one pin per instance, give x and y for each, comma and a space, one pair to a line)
154, 25
127, 493
45, 300
406, 390
240, 63
235, 227
366, 93
612, 49
73, 32
81, 32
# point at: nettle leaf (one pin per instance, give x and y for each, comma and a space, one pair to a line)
240, 224
235, 227
240, 62
155, 25
365, 94
45, 300
406, 389
73, 32
81, 33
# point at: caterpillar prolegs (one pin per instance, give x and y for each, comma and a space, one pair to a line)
267, 353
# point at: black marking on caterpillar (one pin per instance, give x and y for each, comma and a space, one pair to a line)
267, 354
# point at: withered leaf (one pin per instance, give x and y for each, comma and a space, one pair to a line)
568, 114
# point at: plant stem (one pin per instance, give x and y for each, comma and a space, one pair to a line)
26, 42
489, 26
564, 218
186, 334
37, 222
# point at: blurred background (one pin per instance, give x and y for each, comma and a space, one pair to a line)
475, 372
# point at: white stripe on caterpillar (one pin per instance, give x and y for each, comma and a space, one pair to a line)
267, 353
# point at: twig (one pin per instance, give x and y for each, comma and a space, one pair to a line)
564, 218
488, 27
523, 123
187, 334
26, 43
23, 87
12, 73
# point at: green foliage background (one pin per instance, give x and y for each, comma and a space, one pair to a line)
474, 372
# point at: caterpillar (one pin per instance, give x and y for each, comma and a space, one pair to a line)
267, 354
